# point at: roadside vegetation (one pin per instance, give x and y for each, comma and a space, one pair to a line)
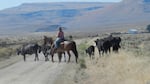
129, 66
139, 44
9, 45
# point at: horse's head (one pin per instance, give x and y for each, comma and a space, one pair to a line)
48, 40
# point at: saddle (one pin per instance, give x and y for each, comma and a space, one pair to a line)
63, 44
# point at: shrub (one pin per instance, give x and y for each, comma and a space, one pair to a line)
82, 48
6, 52
82, 64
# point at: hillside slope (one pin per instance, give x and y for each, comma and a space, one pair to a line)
31, 17
126, 14
81, 16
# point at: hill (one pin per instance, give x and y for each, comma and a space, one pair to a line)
79, 16
123, 15
31, 17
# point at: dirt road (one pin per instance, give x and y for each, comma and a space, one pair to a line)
31, 72
16, 71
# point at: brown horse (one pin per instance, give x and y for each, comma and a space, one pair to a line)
48, 40
64, 46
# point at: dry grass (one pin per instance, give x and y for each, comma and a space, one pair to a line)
130, 66
121, 68
5, 52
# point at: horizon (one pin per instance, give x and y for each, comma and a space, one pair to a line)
8, 4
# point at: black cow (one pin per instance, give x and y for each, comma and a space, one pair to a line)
105, 44
99, 44
29, 49
116, 43
90, 50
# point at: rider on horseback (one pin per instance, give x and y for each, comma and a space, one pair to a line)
60, 38
67, 46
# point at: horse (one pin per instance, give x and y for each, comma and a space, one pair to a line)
64, 46
29, 49
48, 42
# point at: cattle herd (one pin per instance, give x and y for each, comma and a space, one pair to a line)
104, 46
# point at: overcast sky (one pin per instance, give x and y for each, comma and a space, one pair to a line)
11, 3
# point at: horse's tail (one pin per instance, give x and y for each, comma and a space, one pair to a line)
75, 50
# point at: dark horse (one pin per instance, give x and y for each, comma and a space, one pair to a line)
64, 46
29, 49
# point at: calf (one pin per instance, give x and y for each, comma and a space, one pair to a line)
90, 50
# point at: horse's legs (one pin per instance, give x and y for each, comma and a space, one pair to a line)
69, 56
52, 57
47, 59
59, 56
75, 54
24, 57
64, 57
